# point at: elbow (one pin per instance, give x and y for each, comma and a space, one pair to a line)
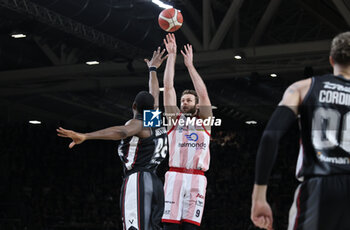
270, 136
155, 93
121, 134
168, 87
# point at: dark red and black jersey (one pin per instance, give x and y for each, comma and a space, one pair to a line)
147, 153
325, 128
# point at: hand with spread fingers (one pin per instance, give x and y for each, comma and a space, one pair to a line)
170, 44
157, 58
77, 138
261, 215
188, 55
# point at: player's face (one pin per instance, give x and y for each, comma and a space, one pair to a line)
188, 103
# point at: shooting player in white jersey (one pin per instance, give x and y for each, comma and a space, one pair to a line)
185, 183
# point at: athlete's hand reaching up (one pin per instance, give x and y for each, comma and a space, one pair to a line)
261, 215
188, 55
170, 43
77, 138
157, 58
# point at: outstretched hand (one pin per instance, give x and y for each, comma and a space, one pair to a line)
157, 58
188, 55
170, 43
261, 215
77, 138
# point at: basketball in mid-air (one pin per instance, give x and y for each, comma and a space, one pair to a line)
170, 20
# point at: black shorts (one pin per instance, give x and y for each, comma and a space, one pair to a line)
321, 203
142, 201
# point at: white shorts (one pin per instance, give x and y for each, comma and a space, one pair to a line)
184, 197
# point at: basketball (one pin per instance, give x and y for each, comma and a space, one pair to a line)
170, 20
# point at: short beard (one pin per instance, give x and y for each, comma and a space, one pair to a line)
191, 112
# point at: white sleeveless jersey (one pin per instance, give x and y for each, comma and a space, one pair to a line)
188, 145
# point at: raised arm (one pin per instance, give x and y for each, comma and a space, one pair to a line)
131, 128
205, 109
280, 122
170, 104
153, 65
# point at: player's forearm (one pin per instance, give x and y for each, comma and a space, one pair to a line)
259, 192
169, 72
112, 133
198, 82
154, 87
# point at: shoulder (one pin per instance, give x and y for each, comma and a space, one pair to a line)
134, 127
299, 88
295, 93
299, 85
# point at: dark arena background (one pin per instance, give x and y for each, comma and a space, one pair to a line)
247, 51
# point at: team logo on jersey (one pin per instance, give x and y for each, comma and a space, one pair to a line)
192, 137
151, 118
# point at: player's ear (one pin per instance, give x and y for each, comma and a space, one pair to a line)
331, 61
134, 106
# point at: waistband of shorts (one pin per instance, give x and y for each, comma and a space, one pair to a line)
185, 170
140, 169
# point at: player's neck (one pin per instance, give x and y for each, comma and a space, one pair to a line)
340, 70
135, 114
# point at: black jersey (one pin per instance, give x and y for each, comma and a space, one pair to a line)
325, 128
137, 153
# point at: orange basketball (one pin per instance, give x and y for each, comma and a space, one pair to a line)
170, 20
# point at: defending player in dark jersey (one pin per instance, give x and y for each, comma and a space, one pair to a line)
141, 150
322, 199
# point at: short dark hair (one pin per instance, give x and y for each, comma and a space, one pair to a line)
193, 92
144, 100
340, 49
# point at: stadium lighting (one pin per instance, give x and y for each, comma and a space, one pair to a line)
238, 54
162, 4
18, 35
214, 107
251, 122
35, 122
273, 75
92, 62
161, 89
